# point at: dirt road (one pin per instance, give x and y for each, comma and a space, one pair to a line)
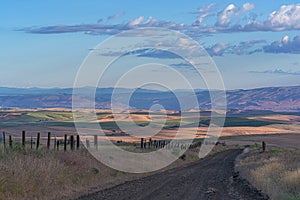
210, 178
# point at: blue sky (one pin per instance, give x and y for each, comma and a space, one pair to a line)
253, 43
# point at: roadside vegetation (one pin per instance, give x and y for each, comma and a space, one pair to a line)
46, 174
50, 174
276, 172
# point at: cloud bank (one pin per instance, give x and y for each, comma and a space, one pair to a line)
227, 20
285, 45
278, 72
287, 17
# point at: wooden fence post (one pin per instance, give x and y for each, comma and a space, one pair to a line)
72, 142
31, 142
263, 146
57, 145
65, 143
48, 140
38, 141
23, 139
10, 142
150, 143
142, 143
96, 141
87, 143
4, 142
77, 142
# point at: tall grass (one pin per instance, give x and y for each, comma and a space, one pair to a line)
46, 174
43, 174
276, 172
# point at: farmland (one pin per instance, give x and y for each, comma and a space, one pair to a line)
60, 122
69, 177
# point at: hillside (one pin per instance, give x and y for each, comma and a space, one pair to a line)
273, 98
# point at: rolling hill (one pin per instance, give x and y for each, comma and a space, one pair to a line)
272, 98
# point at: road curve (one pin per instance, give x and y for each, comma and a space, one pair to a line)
210, 178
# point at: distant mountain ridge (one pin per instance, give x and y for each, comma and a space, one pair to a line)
271, 98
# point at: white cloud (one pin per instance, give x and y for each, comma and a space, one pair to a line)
285, 39
201, 18
277, 72
136, 21
205, 9
204, 12
115, 16
150, 20
285, 45
228, 20
287, 17
217, 49
225, 16
246, 7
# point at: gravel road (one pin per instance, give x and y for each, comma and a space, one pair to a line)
209, 178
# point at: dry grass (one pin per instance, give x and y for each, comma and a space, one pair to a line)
285, 140
276, 172
278, 118
52, 175
46, 174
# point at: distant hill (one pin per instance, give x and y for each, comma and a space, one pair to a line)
272, 98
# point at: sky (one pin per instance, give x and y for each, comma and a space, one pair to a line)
253, 43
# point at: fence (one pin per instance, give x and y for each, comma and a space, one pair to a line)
73, 142
150, 143
52, 142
